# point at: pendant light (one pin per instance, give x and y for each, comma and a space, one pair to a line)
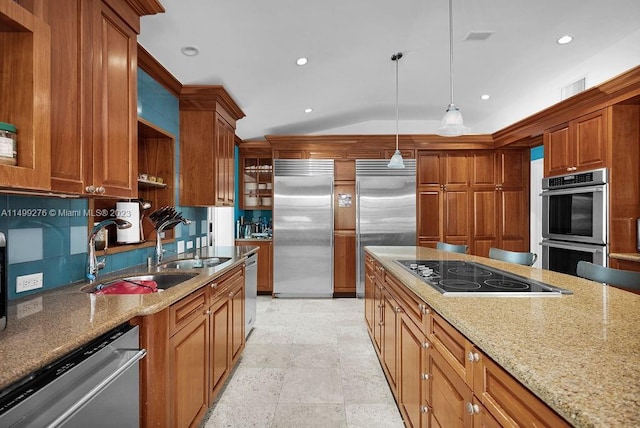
452, 124
396, 160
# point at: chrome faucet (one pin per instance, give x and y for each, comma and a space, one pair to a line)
94, 264
160, 229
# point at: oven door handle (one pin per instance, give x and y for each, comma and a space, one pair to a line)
574, 190
571, 247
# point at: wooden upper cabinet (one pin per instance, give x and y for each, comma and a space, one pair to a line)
24, 95
429, 169
483, 169
208, 118
456, 169
94, 97
578, 145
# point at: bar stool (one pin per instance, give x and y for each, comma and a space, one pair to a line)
462, 249
626, 279
526, 259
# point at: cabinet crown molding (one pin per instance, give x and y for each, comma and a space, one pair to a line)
208, 97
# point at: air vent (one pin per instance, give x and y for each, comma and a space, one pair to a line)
572, 88
479, 35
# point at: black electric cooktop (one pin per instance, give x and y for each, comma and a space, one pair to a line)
458, 278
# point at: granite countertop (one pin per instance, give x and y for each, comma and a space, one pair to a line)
578, 353
44, 327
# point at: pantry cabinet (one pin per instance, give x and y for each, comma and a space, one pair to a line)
94, 96
208, 118
438, 377
25, 89
192, 347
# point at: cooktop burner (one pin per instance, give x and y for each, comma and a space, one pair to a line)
458, 277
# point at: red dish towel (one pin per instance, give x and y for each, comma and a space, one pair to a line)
130, 287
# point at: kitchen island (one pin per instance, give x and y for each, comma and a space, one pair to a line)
577, 353
44, 327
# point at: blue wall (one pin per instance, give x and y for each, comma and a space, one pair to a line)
53, 239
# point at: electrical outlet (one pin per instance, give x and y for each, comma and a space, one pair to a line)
30, 307
28, 282
189, 245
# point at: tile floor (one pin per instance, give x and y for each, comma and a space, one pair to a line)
307, 363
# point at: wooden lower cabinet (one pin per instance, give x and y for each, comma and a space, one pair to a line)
265, 263
437, 376
344, 254
413, 383
188, 373
192, 347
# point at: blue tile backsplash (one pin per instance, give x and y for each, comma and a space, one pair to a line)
53, 238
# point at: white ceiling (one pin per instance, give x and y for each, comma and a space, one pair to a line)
250, 47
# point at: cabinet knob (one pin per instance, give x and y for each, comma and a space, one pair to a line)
213, 285
424, 409
426, 345
100, 190
473, 357
381, 323
424, 310
231, 294
90, 189
473, 409
208, 312
424, 376
398, 310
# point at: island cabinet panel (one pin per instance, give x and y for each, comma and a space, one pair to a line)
192, 347
414, 387
94, 98
510, 403
578, 145
438, 377
449, 395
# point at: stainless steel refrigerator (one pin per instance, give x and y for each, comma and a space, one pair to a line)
303, 228
385, 208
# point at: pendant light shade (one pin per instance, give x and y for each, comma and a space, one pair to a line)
396, 160
452, 124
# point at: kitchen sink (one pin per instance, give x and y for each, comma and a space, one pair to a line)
141, 284
194, 263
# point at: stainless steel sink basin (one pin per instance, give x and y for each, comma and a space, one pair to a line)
139, 284
194, 263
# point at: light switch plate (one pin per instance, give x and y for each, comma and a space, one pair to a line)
189, 245
180, 247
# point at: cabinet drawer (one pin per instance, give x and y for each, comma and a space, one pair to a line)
453, 346
222, 284
415, 308
187, 309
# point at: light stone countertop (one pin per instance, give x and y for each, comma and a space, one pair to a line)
579, 353
44, 327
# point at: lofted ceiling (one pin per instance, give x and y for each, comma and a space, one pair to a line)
251, 46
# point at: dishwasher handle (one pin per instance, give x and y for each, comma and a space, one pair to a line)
137, 356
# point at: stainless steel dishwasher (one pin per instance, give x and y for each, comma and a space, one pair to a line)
97, 385
250, 292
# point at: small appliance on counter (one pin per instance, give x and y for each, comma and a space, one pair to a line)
129, 211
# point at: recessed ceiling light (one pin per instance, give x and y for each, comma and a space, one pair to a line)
302, 61
485, 96
190, 51
564, 40
308, 110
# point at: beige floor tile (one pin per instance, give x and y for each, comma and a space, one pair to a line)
241, 415
253, 385
269, 334
309, 416
316, 385
373, 416
314, 356
366, 385
274, 355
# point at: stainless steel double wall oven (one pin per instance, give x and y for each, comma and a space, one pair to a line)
574, 220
